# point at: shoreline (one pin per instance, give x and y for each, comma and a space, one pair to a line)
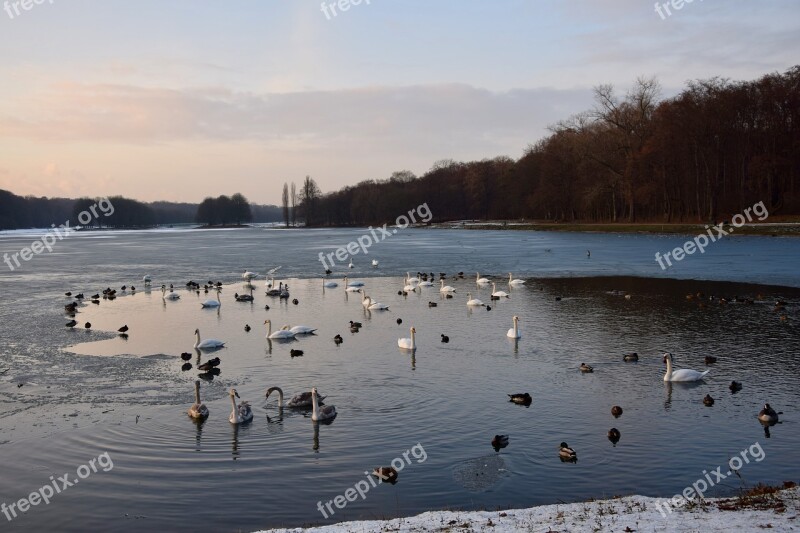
775, 229
760, 508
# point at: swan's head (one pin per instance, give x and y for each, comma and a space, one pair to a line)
234, 393
413, 330
197, 332
515, 319
267, 321
667, 357
314, 391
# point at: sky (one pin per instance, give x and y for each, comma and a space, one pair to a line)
180, 100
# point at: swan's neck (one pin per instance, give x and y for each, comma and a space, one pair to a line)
668, 375
516, 328
314, 406
196, 339
269, 329
413, 340
234, 413
196, 393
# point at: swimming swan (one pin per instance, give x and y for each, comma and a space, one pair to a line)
683, 374
208, 344
514, 333
408, 343
326, 412
198, 410
241, 413
280, 334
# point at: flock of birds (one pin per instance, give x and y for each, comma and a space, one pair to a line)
242, 412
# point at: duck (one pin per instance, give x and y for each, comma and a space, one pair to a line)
123, 329
513, 332
432, 304
479, 280
708, 400
586, 368
198, 410
280, 334
565, 452
208, 344
241, 413
520, 398
355, 324
735, 386
186, 356
446, 288
473, 302
682, 374
408, 343
208, 365
512, 281
295, 301
71, 324
247, 328
499, 294
768, 414
616, 411
614, 435
88, 325
445, 338
296, 353
630, 357
300, 400
499, 441
385, 474
326, 412
338, 339
710, 359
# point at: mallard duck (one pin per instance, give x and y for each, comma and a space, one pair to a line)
209, 365
520, 398
565, 452
295, 353
768, 414
499, 441
614, 435
198, 410
586, 368
338, 339
247, 327
735, 386
445, 338
432, 304
708, 400
355, 324
630, 357
123, 329
616, 411
386, 474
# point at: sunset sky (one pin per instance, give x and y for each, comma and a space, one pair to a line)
179, 100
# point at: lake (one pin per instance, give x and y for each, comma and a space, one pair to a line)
85, 393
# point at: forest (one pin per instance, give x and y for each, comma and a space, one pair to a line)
716, 148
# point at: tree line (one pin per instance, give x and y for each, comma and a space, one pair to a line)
713, 150
305, 202
21, 212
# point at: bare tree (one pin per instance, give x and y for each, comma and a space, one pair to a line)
294, 205
285, 201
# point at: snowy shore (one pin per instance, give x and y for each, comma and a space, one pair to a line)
756, 511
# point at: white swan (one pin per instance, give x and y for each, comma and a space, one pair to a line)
499, 294
514, 333
425, 283
409, 286
375, 306
329, 284
302, 330
683, 374
168, 296
269, 283
408, 343
211, 303
474, 302
326, 412
351, 264
208, 344
353, 283
512, 281
446, 288
198, 410
409, 279
374, 262
247, 276
479, 280
241, 413
302, 399
280, 334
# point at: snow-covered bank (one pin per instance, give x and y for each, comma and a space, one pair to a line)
755, 512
